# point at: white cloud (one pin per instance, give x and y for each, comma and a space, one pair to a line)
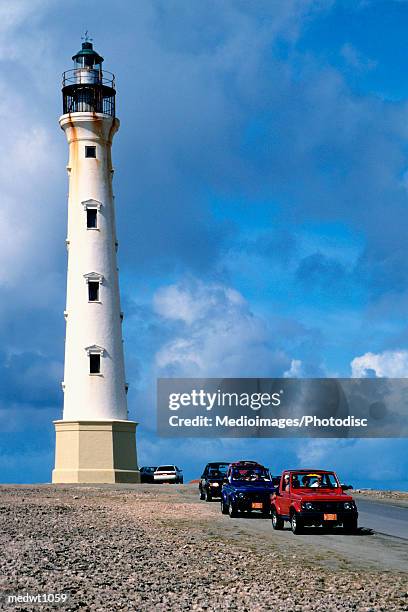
295, 370
174, 302
13, 14
182, 354
393, 364
191, 305
31, 223
221, 335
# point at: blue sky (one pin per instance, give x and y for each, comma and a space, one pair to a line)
261, 190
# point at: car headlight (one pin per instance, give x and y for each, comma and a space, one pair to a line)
307, 506
214, 484
348, 505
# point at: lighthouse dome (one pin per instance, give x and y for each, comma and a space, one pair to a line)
87, 56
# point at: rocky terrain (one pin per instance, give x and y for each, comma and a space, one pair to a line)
399, 496
159, 548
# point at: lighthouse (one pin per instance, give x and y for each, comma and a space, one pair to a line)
95, 441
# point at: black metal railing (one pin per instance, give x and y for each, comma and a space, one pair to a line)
86, 76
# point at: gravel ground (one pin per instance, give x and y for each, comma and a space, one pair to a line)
158, 548
383, 495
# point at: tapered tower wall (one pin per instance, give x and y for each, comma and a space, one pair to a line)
92, 250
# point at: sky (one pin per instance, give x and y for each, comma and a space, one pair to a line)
261, 177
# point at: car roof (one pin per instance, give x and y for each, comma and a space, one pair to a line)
308, 470
246, 464
217, 463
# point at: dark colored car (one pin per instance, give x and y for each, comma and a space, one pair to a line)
212, 478
147, 473
247, 488
313, 497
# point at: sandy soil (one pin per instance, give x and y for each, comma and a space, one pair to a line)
159, 548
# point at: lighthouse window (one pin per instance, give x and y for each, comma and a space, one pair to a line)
93, 291
91, 218
90, 151
94, 364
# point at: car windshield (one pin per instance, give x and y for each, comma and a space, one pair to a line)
313, 480
251, 474
166, 468
149, 469
218, 471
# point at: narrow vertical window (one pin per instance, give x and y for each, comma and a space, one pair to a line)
94, 364
91, 218
93, 291
90, 151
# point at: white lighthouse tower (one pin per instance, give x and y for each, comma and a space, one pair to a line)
95, 441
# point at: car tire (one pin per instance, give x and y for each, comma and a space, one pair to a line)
182, 480
208, 496
224, 507
232, 511
277, 521
350, 526
202, 495
296, 523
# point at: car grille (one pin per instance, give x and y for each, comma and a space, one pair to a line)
255, 496
328, 506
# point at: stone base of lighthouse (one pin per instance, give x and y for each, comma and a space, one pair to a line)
95, 452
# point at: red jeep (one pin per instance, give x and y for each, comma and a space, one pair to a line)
312, 497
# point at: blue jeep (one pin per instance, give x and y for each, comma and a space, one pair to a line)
247, 488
